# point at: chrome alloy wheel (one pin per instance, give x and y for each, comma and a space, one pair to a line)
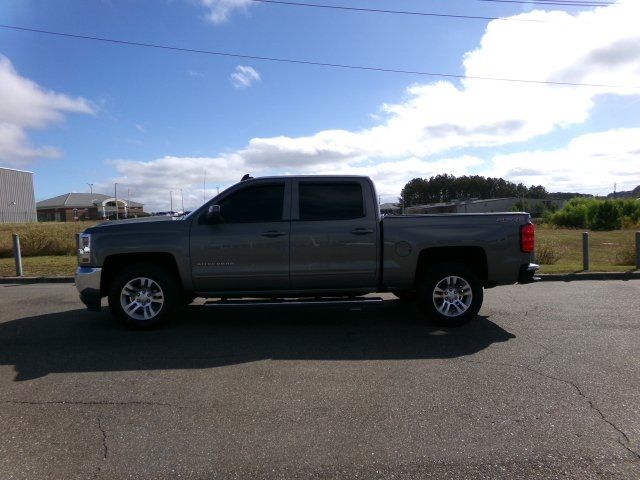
142, 298
452, 296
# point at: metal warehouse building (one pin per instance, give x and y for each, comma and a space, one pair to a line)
17, 200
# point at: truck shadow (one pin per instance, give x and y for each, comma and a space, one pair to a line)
79, 341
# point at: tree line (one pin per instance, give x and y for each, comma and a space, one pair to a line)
447, 188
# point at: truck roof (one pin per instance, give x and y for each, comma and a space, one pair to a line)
266, 177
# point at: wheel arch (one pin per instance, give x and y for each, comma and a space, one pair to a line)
114, 264
474, 258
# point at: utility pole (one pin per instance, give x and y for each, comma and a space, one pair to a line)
90, 187
218, 190
126, 212
182, 201
204, 187
115, 188
171, 199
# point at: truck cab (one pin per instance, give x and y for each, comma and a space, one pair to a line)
296, 234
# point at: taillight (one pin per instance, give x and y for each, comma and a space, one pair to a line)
527, 237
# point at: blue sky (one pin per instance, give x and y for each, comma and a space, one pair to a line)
80, 111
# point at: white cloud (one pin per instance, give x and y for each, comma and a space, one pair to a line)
440, 116
220, 10
244, 76
443, 118
25, 105
152, 181
15, 149
590, 163
391, 176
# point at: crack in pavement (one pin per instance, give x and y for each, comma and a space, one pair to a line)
547, 350
104, 439
623, 439
67, 402
538, 362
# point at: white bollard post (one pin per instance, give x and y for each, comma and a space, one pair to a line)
17, 255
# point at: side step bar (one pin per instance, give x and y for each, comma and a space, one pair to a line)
297, 302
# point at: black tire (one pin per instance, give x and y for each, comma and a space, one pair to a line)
405, 295
458, 299
162, 285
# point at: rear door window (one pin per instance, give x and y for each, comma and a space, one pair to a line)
330, 201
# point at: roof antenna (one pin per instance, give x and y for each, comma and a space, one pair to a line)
246, 177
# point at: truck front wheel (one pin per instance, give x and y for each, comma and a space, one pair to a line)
143, 296
450, 295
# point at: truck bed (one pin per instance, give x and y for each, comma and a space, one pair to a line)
494, 236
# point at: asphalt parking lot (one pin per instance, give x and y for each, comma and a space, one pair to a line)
544, 384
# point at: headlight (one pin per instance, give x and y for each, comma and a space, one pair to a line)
84, 248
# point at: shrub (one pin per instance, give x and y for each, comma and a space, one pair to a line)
603, 215
630, 212
548, 253
597, 214
573, 215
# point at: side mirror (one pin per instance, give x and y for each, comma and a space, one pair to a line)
213, 214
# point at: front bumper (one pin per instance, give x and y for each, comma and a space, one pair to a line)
88, 285
527, 273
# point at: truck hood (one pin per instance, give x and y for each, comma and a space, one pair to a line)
127, 221
134, 223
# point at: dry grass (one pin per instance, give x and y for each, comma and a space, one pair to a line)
37, 239
625, 255
548, 253
57, 266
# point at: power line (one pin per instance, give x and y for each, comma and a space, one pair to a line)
607, 2
445, 15
309, 62
395, 12
555, 3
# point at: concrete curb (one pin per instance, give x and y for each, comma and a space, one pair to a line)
28, 280
570, 277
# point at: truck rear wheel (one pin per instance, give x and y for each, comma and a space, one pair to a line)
450, 295
143, 296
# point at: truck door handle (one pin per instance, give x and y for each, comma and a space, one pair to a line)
273, 234
361, 231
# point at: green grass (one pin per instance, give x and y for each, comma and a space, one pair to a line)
607, 249
47, 266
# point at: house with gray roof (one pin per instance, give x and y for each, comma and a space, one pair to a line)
71, 207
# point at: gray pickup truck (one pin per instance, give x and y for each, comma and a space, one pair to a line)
302, 237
